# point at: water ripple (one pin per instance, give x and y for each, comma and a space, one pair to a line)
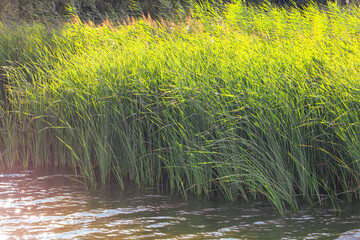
62, 209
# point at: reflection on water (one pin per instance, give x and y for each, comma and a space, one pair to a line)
59, 208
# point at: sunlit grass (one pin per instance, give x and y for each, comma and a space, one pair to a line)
250, 103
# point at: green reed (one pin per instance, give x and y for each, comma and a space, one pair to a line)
252, 103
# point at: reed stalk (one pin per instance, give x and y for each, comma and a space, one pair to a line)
247, 102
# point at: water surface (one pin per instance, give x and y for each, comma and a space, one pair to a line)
36, 207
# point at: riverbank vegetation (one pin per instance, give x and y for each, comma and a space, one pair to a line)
247, 102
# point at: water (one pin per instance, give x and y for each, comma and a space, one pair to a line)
60, 208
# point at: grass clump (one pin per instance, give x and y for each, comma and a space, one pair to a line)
251, 103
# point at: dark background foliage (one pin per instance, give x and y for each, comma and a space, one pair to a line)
95, 10
87, 9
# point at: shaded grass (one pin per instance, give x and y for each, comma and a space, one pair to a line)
250, 103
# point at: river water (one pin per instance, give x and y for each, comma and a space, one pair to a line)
36, 207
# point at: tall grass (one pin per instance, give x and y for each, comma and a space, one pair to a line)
248, 103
